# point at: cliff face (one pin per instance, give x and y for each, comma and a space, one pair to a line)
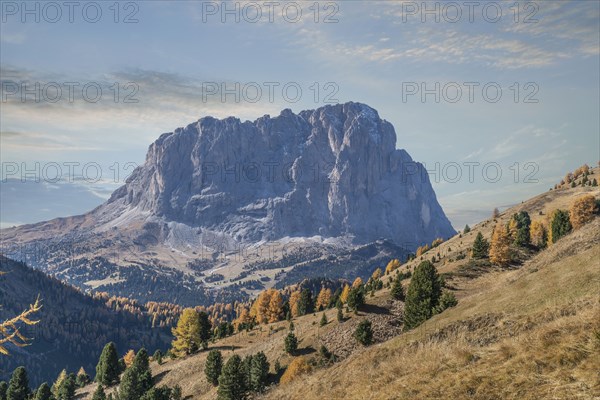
332, 172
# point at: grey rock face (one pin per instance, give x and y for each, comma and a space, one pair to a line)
332, 172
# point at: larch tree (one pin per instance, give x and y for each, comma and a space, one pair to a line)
298, 367
9, 329
392, 265
128, 358
538, 234
500, 246
345, 293
294, 300
357, 283
582, 210
275, 308
323, 299
58, 382
187, 333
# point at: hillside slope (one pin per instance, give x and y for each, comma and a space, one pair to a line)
73, 326
529, 331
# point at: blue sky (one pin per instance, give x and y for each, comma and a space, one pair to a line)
367, 51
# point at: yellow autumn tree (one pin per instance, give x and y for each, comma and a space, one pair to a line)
500, 246
345, 293
129, 357
323, 299
294, 299
58, 382
392, 265
513, 229
582, 210
243, 317
10, 331
538, 234
298, 366
376, 274
187, 333
275, 309
260, 308
357, 283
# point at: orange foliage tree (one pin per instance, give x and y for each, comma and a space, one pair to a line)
500, 246
582, 211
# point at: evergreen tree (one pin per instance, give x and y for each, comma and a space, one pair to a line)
480, 247
158, 357
99, 393
159, 393
66, 391
560, 225
467, 229
397, 290
107, 370
523, 223
18, 386
323, 321
231, 380
82, 378
259, 372
43, 392
291, 343
3, 389
213, 366
305, 304
446, 301
423, 295
364, 332
356, 298
245, 372
187, 333
340, 314
205, 328
137, 379
58, 382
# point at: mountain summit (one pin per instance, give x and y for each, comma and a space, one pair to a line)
325, 180
330, 172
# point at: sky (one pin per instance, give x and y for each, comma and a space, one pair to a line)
497, 99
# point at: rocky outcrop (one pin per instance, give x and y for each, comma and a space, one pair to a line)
330, 172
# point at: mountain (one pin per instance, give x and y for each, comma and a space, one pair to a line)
529, 330
73, 327
219, 195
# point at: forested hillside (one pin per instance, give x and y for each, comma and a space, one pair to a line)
73, 327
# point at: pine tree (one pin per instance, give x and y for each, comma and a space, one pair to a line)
231, 380
66, 390
205, 328
18, 386
356, 298
291, 343
397, 290
245, 372
3, 389
82, 378
58, 382
99, 393
187, 333
213, 366
467, 229
422, 296
137, 379
340, 314
447, 300
305, 304
364, 332
480, 247
259, 372
500, 247
43, 392
495, 213
323, 321
158, 357
560, 225
522, 223
107, 370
